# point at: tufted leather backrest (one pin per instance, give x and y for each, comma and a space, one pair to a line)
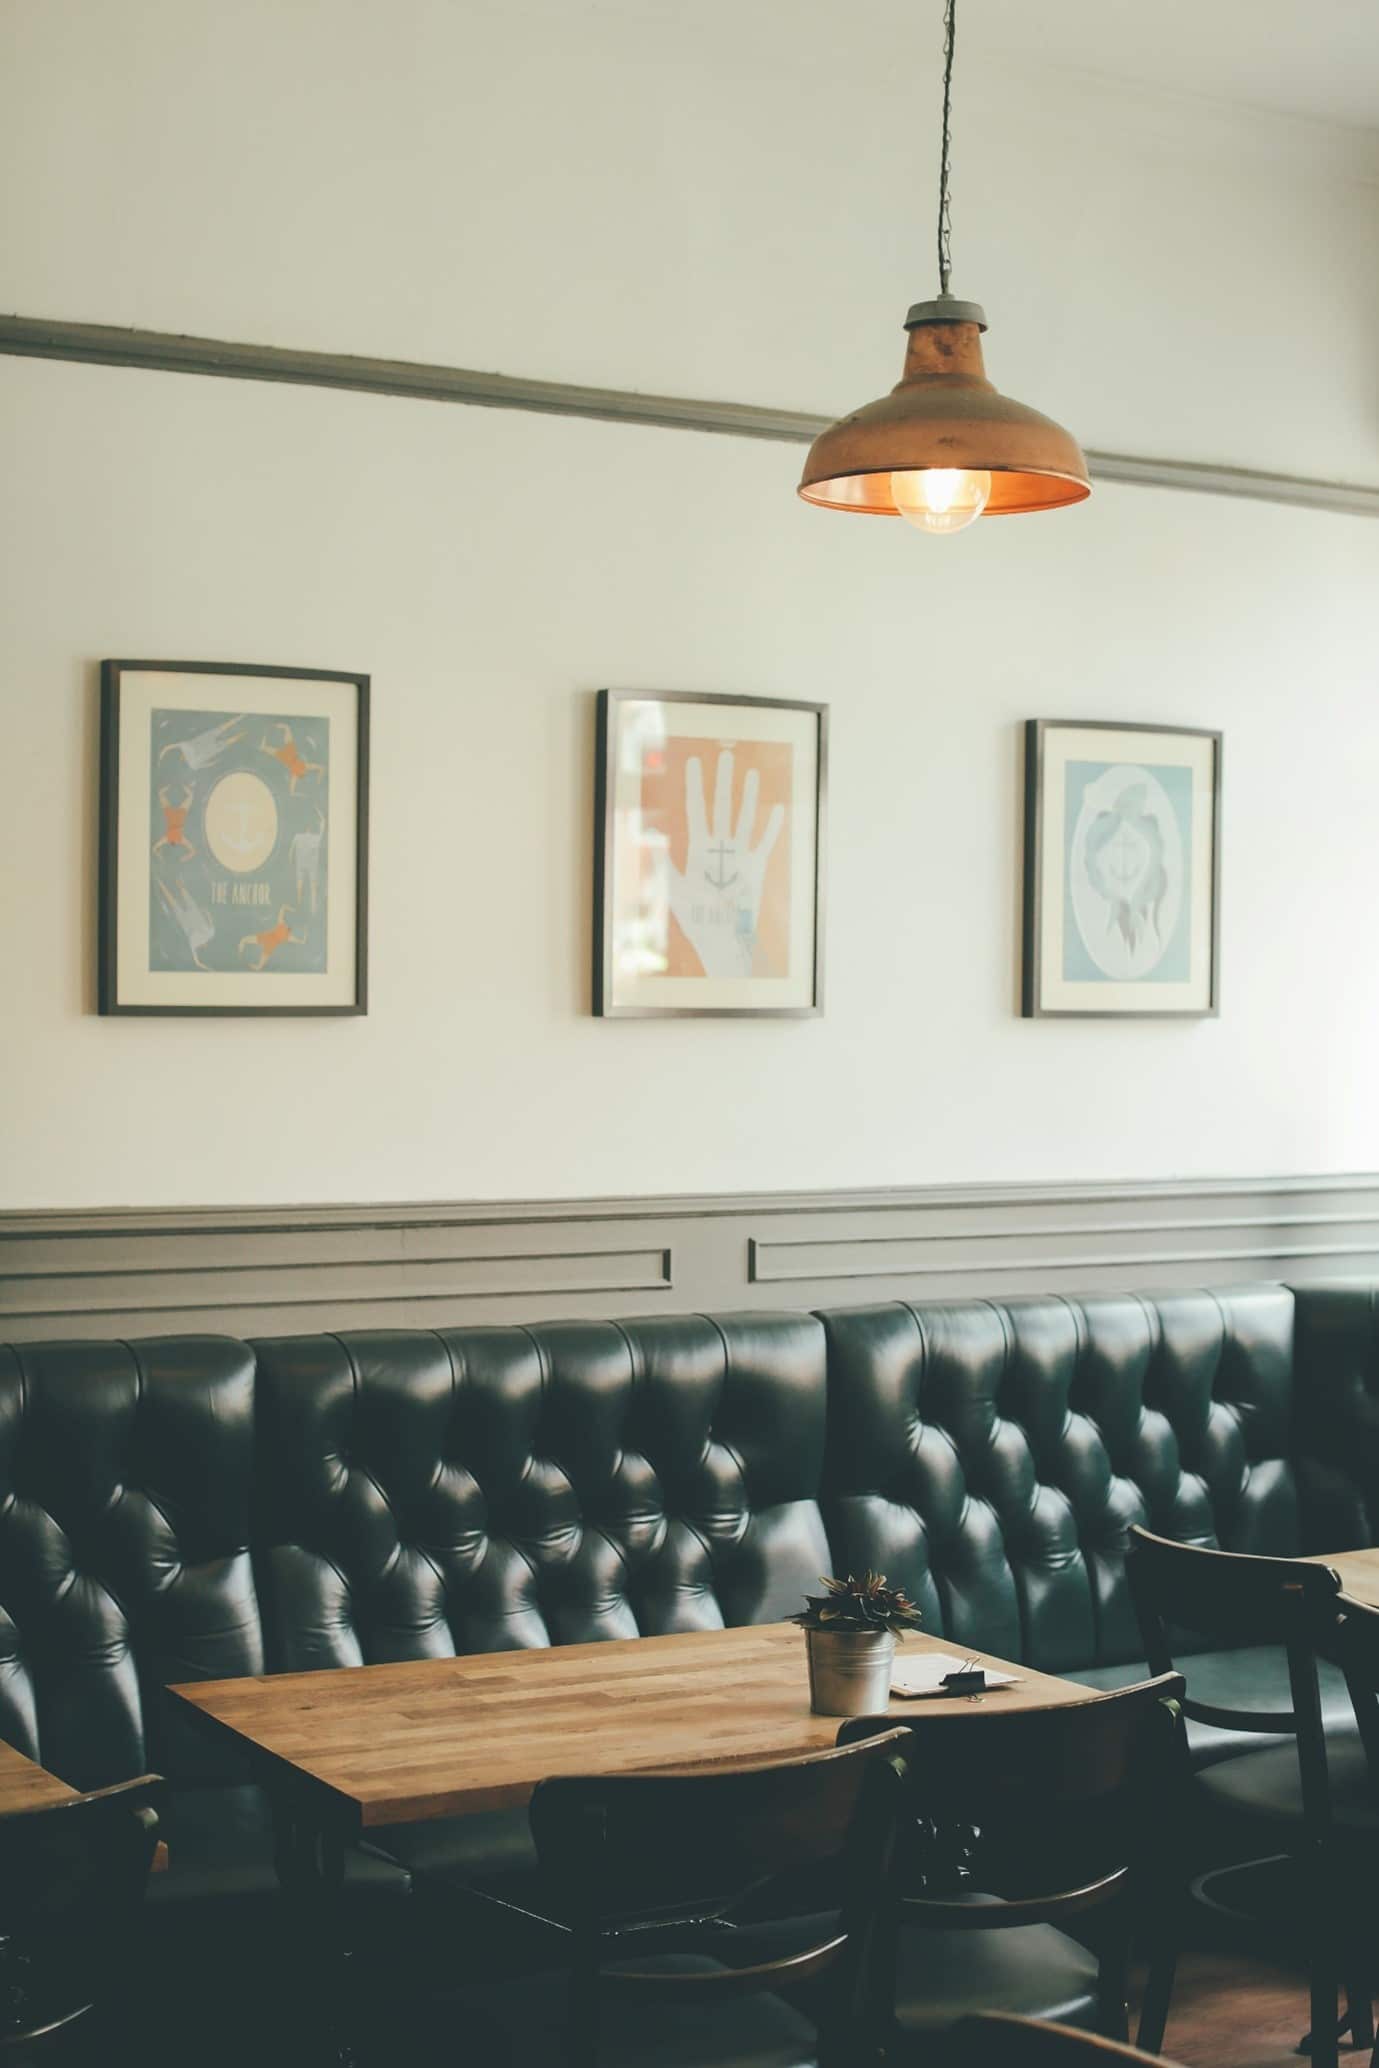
414, 1493
990, 1457
428, 1492
125, 1473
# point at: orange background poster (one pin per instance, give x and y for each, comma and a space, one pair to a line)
726, 826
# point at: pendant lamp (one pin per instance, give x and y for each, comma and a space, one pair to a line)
944, 448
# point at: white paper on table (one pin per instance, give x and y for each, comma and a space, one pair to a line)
925, 1673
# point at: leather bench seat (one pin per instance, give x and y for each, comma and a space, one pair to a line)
196, 1507
1253, 1677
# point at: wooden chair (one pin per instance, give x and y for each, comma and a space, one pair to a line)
1279, 1796
677, 1895
1233, 1599
1074, 1814
1344, 1805
998, 2040
72, 1877
1349, 1636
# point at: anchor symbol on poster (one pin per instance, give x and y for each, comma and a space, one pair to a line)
721, 854
722, 930
247, 835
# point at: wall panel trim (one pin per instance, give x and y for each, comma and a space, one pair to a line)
160, 351
276, 1269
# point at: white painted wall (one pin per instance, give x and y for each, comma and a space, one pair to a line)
721, 197
728, 200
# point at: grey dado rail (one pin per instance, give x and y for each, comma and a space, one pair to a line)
259, 1270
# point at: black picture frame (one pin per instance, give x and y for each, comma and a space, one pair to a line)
609, 702
109, 1001
1037, 731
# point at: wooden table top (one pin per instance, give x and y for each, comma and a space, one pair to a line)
444, 1737
24, 1786
1359, 1571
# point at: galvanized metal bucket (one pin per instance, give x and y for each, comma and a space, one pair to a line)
850, 1671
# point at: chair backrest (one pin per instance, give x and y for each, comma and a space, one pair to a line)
1064, 1803
646, 1865
996, 2039
72, 1876
1232, 1598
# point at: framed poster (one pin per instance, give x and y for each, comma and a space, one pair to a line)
1122, 870
233, 839
709, 834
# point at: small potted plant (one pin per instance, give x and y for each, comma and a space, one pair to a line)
850, 1635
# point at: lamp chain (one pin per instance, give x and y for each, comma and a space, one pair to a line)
945, 226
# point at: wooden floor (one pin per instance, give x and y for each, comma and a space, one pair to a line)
1236, 2011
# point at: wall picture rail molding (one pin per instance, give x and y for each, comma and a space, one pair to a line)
159, 351
278, 1269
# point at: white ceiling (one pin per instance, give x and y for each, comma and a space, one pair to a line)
1304, 57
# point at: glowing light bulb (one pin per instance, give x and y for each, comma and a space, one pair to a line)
941, 499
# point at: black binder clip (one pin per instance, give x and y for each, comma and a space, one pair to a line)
972, 1681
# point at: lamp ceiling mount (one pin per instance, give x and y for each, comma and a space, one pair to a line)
945, 308
944, 447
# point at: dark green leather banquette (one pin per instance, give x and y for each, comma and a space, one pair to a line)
199, 1506
990, 1457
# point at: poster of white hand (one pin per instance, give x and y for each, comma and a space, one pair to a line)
709, 854
716, 897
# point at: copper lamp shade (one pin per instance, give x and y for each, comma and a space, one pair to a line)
944, 413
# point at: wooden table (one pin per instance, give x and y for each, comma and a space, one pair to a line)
1359, 1571
24, 1786
373, 1745
341, 1753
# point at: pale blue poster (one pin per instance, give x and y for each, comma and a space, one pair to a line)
239, 809
1127, 833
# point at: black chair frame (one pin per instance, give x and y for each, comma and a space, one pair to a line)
72, 1877
649, 1866
1346, 1632
1060, 1788
1237, 1597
